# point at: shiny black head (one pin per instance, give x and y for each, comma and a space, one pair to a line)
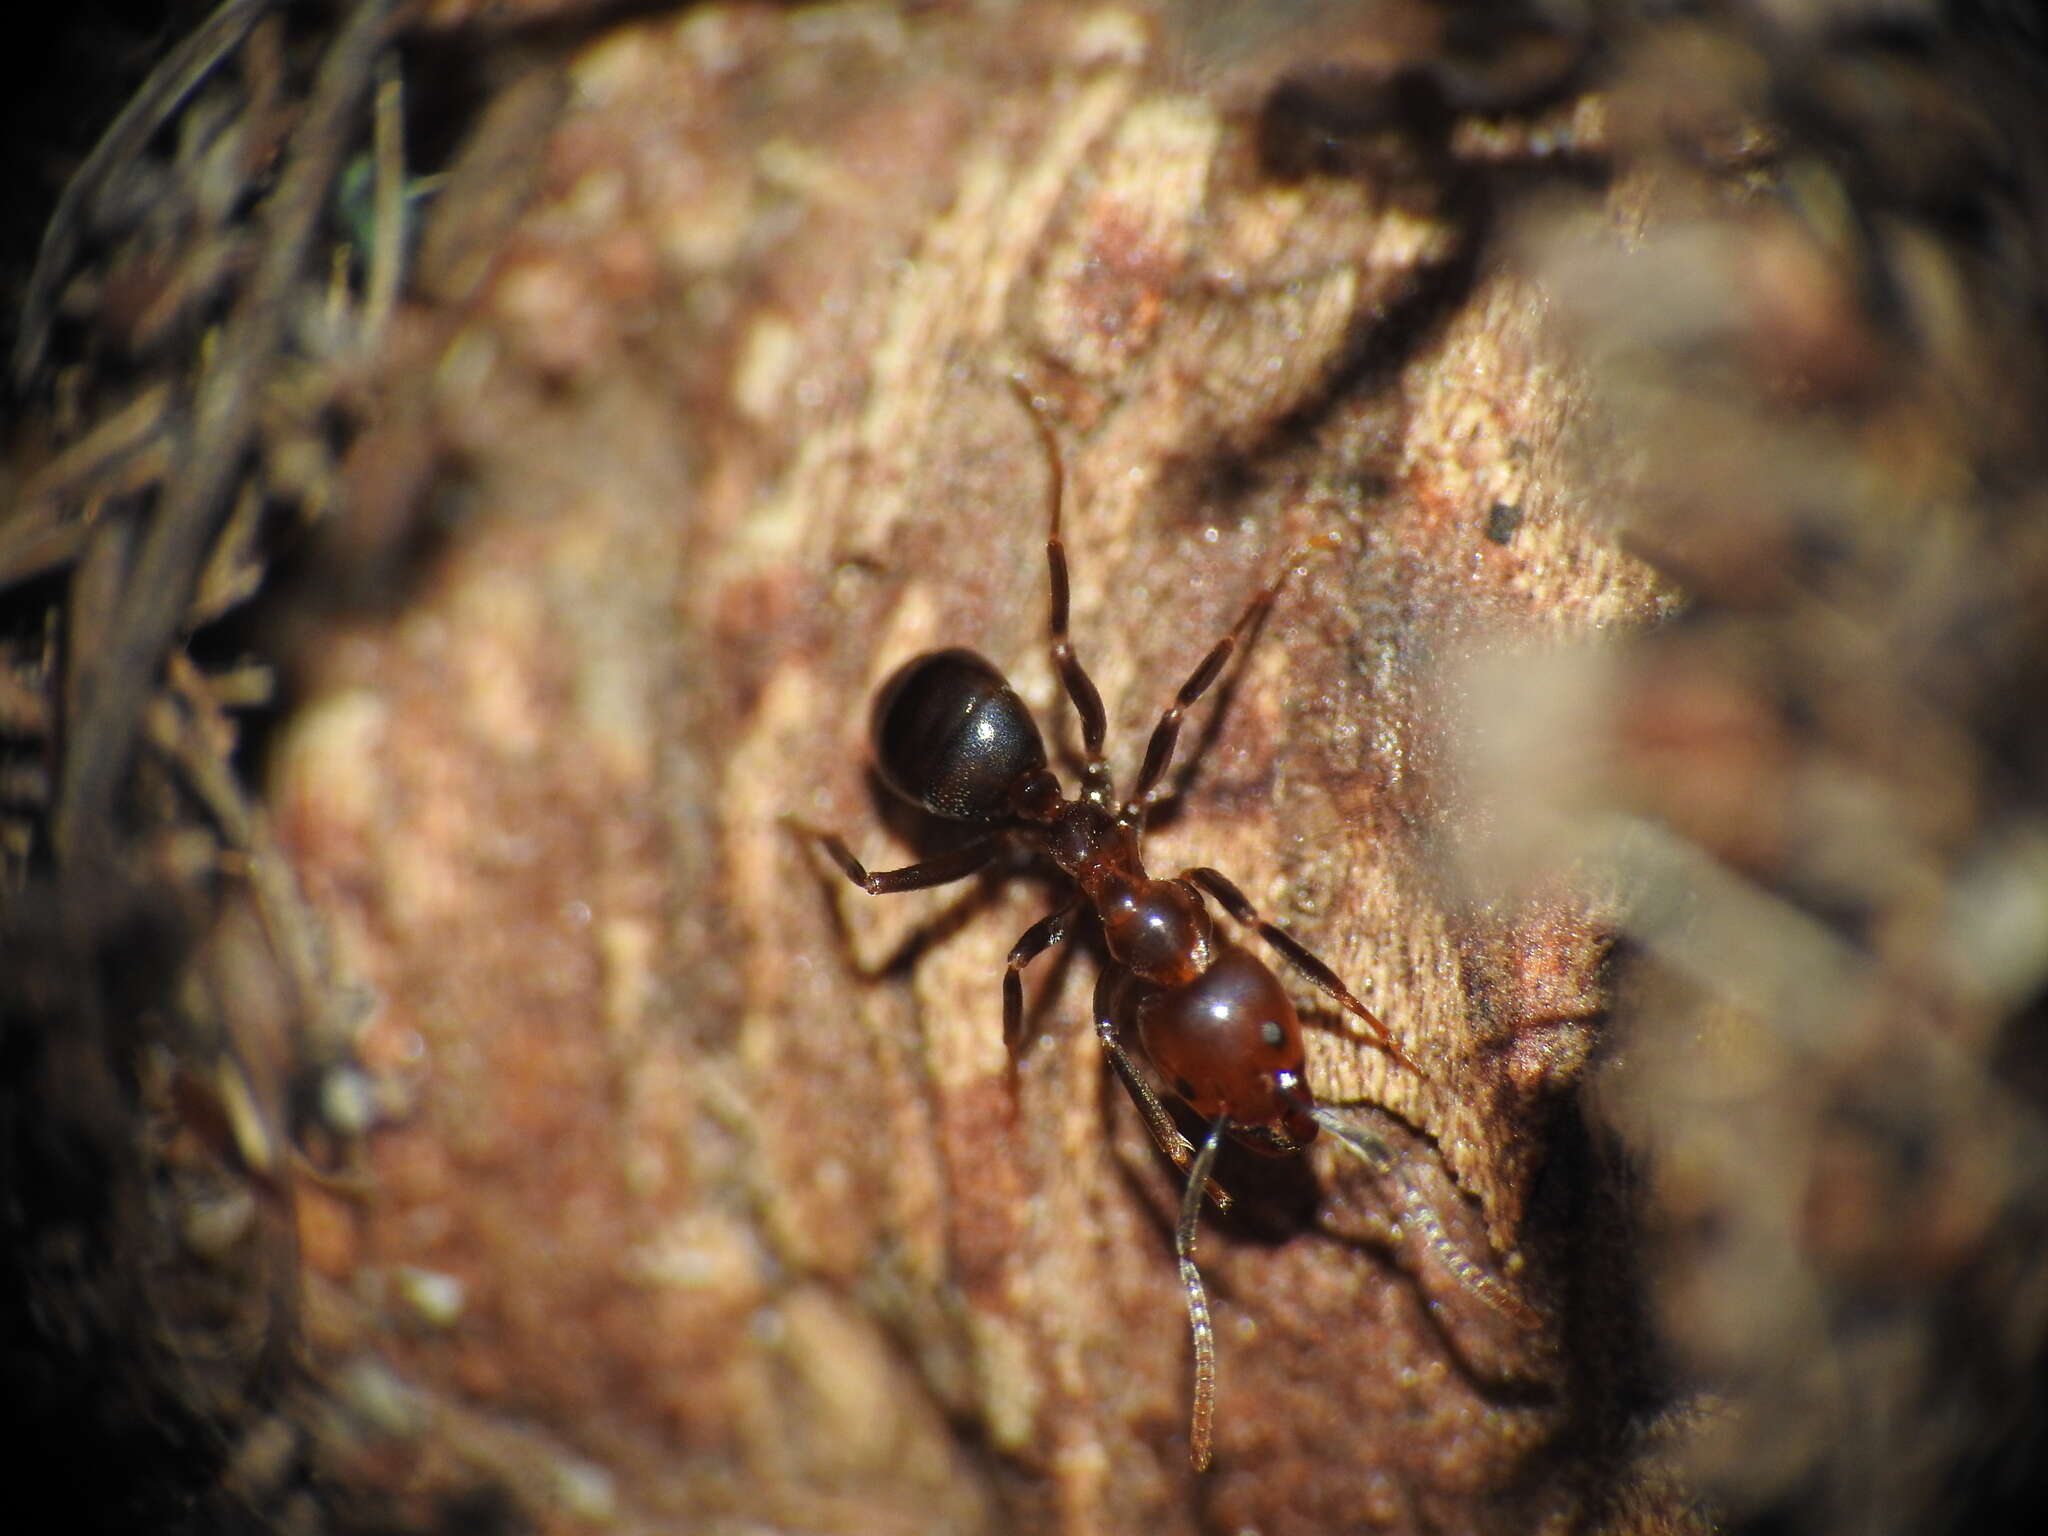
950, 735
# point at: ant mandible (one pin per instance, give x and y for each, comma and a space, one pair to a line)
950, 735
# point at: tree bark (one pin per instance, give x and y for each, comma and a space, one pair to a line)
705, 1191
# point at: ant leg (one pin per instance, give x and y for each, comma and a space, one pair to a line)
1298, 955
1038, 938
1204, 1331
1166, 734
1165, 1134
1074, 677
940, 869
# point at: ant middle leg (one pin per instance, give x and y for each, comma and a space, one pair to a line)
939, 869
1302, 958
1038, 938
1149, 790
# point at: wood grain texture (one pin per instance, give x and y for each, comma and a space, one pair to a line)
734, 1159
505, 1120
758, 1217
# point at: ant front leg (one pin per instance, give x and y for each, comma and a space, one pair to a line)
1165, 1134
1304, 960
939, 869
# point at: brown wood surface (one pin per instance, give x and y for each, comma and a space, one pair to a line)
733, 1161
1643, 752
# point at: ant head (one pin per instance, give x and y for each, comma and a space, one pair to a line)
1229, 1042
1287, 1114
952, 736
1297, 1108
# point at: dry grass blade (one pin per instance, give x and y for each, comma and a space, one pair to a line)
181, 73
211, 458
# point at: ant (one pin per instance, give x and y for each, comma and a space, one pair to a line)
950, 735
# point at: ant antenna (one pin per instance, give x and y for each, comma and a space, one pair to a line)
1198, 1300
1417, 1217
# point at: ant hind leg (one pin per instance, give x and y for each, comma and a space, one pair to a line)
939, 869
1149, 789
1081, 689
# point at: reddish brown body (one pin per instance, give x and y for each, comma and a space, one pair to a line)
1228, 1043
951, 735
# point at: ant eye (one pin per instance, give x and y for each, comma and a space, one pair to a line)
1272, 1034
1183, 1088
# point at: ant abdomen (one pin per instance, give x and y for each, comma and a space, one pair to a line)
951, 735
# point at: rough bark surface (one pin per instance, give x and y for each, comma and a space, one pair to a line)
1652, 748
734, 1159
